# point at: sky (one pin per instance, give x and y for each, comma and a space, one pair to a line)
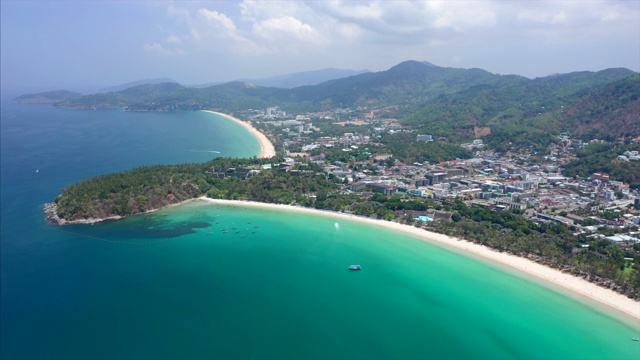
85, 45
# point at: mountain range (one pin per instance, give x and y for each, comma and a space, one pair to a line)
288, 81
447, 102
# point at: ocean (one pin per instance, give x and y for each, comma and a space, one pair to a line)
203, 281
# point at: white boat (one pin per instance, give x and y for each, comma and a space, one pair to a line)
355, 267
635, 339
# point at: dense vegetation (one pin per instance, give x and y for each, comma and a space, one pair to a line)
519, 106
608, 113
405, 148
602, 157
152, 187
131, 192
298, 186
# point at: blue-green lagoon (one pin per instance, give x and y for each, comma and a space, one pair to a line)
274, 285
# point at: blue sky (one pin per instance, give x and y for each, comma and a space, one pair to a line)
85, 45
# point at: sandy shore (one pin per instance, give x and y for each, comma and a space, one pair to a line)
556, 278
266, 147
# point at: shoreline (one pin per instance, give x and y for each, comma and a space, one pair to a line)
266, 147
577, 286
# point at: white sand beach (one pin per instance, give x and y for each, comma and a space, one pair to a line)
266, 147
586, 290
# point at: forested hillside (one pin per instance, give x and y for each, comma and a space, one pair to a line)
152, 187
47, 97
445, 102
525, 110
608, 112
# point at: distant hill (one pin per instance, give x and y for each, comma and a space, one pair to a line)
136, 83
149, 93
407, 82
532, 109
306, 78
607, 112
446, 102
48, 97
288, 81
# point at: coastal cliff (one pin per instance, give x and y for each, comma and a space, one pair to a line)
52, 216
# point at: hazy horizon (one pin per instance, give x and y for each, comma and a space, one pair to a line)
85, 46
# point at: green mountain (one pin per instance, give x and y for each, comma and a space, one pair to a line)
608, 112
149, 93
448, 102
294, 80
135, 83
48, 97
518, 108
410, 82
407, 82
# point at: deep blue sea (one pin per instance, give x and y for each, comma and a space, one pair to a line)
274, 285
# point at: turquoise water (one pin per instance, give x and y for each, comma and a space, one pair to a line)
174, 285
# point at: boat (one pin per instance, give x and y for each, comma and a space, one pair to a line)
635, 339
355, 267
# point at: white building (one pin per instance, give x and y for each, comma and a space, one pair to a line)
425, 138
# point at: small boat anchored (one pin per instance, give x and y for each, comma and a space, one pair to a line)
355, 267
635, 339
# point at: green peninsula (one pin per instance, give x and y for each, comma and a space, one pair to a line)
48, 97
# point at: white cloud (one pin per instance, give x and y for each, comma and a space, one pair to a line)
287, 28
358, 10
404, 16
218, 18
576, 22
461, 16
349, 32
384, 32
545, 17
174, 40
219, 30
253, 11
179, 13
156, 48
